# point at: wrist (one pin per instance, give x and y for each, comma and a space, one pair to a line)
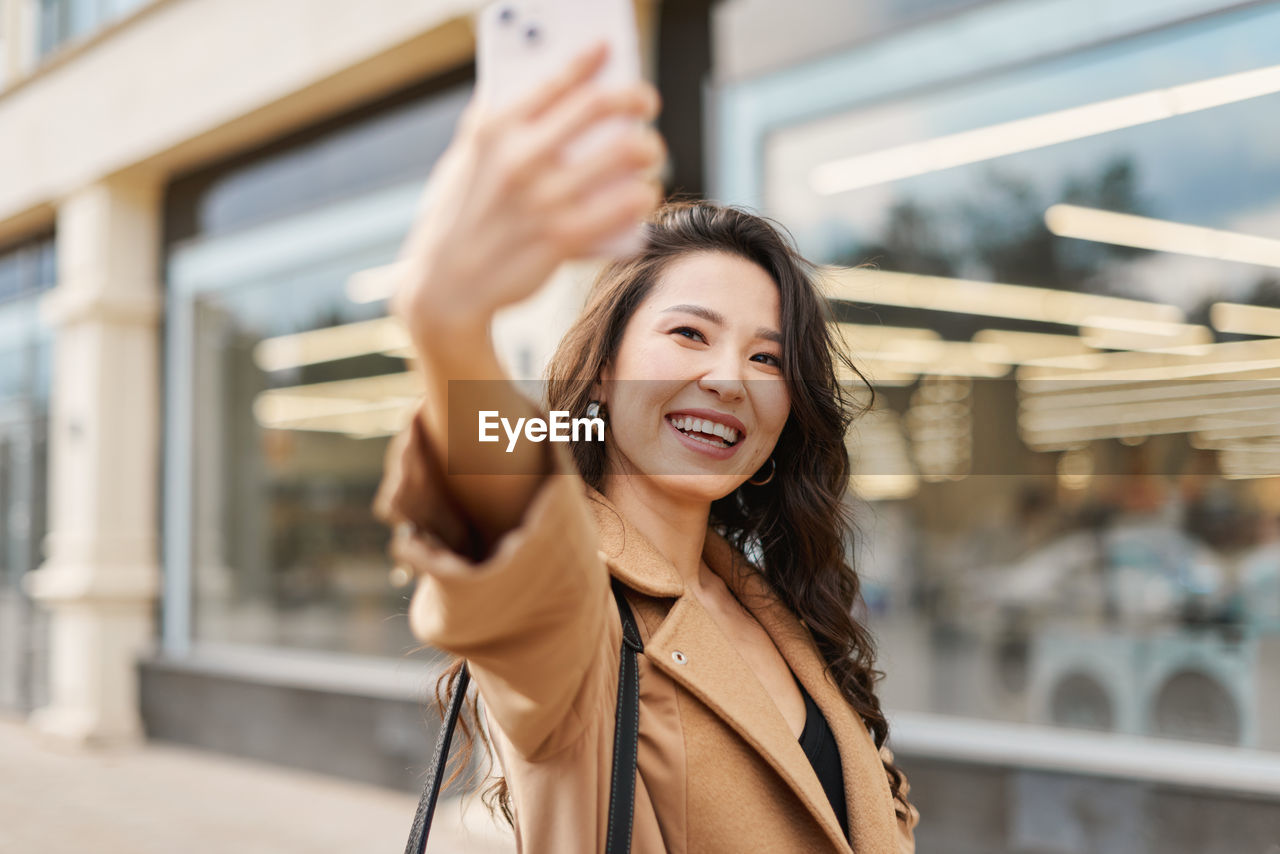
435, 315
450, 335
441, 327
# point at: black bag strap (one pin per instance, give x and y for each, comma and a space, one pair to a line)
626, 739
427, 803
626, 733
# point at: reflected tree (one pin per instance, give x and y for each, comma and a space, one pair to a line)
911, 242
1008, 241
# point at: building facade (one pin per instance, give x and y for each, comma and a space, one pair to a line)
1069, 491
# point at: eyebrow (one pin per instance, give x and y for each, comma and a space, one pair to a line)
713, 316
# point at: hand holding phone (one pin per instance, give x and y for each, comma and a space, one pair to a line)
512, 197
523, 44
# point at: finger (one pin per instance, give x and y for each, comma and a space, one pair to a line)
655, 101
579, 70
585, 108
637, 152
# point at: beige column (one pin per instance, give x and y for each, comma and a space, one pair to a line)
100, 577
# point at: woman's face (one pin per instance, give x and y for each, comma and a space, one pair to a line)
704, 346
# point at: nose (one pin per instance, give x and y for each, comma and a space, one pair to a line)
724, 378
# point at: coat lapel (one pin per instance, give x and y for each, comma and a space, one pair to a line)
872, 825
713, 671
717, 675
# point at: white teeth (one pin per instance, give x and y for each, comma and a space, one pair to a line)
701, 425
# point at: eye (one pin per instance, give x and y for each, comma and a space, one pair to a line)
773, 360
681, 330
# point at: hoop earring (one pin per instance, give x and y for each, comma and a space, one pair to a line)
773, 469
595, 410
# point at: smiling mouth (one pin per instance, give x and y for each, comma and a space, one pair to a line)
698, 430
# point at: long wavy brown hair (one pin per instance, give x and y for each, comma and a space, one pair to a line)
798, 528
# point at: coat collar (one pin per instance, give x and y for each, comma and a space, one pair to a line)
717, 674
631, 557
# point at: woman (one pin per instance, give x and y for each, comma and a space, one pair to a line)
710, 359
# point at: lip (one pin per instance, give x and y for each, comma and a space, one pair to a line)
711, 415
701, 447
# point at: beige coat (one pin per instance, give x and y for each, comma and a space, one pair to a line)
719, 768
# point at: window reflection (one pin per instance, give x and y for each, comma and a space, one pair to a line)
287, 552
1073, 472
278, 264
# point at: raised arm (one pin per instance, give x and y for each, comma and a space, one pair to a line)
504, 210
505, 556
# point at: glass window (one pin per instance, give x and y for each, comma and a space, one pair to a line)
293, 380
62, 21
27, 267
322, 165
288, 455
1072, 319
26, 347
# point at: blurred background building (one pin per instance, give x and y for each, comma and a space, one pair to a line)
1070, 478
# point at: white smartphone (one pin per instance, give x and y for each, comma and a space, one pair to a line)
521, 44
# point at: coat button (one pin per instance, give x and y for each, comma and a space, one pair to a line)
678, 657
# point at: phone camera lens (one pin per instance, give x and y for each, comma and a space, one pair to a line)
506, 15
533, 35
